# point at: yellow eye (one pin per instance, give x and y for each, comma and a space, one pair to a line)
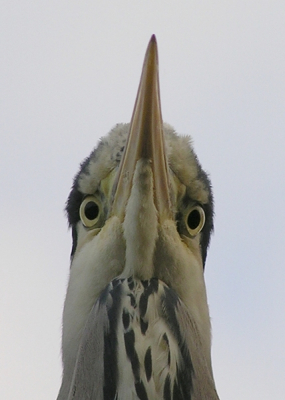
89, 211
195, 220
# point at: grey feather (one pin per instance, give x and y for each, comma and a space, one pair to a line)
88, 378
203, 382
192, 378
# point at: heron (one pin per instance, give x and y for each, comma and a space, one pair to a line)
136, 320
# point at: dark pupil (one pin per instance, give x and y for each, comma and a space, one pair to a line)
193, 219
91, 210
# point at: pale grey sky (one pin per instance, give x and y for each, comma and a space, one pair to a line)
69, 71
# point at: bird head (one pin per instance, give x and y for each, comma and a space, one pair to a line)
141, 206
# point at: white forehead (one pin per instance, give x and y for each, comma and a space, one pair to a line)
180, 156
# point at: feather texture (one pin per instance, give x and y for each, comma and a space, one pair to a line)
138, 343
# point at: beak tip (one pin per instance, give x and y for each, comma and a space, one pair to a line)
152, 47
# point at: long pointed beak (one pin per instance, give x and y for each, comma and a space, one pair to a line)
145, 140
